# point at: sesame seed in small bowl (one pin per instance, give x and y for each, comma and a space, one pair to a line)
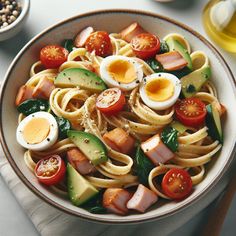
13, 15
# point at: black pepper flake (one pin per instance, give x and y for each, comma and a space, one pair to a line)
86, 140
48, 139
69, 78
137, 81
159, 75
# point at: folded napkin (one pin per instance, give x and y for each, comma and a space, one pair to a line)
50, 221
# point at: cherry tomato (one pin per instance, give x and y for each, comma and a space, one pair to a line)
177, 184
52, 56
110, 101
99, 42
145, 45
190, 111
50, 170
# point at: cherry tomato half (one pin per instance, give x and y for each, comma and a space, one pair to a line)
145, 45
177, 184
110, 101
99, 42
50, 170
52, 56
190, 111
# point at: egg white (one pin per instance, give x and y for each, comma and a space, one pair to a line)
162, 105
48, 141
107, 78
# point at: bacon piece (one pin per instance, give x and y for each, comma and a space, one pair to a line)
119, 140
156, 150
115, 200
43, 88
80, 162
24, 93
171, 61
142, 199
82, 36
132, 30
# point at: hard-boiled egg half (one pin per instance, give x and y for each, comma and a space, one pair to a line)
160, 91
121, 72
37, 131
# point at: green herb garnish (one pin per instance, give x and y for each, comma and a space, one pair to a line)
63, 125
143, 166
155, 65
33, 105
169, 138
190, 88
95, 205
68, 45
163, 47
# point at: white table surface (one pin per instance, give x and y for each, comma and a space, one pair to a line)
44, 13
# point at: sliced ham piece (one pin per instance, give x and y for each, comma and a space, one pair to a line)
24, 93
115, 200
132, 30
142, 199
119, 140
80, 162
43, 88
171, 61
156, 150
83, 35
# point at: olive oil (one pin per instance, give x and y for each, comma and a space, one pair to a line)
226, 38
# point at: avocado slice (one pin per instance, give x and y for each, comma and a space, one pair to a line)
193, 82
175, 45
73, 77
213, 123
91, 146
179, 127
79, 189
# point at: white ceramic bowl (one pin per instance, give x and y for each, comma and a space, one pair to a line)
114, 21
14, 28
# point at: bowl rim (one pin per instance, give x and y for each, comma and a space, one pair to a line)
25, 10
96, 218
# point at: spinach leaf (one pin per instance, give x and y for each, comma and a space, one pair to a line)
191, 88
143, 166
68, 45
33, 105
163, 47
155, 65
169, 138
63, 125
95, 204
181, 73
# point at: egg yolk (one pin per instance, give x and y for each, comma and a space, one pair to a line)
122, 71
36, 130
159, 89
